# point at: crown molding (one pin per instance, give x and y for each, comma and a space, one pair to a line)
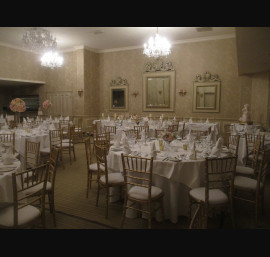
75, 48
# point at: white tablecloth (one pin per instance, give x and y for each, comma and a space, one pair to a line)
6, 189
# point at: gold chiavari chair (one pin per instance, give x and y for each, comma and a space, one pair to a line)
142, 128
27, 208
8, 140
78, 128
138, 172
105, 179
64, 125
50, 185
253, 188
250, 139
218, 189
31, 158
92, 168
56, 141
68, 145
184, 131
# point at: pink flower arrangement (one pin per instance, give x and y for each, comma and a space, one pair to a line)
168, 136
46, 104
17, 105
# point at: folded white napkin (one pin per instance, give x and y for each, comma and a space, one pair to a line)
37, 119
189, 136
109, 118
67, 118
50, 117
218, 147
190, 120
24, 120
258, 131
210, 137
207, 121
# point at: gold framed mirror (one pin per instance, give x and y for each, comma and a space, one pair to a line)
158, 87
206, 93
119, 95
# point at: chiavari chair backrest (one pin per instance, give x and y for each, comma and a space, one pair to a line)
8, 139
22, 182
142, 128
111, 130
103, 139
101, 157
131, 133
137, 171
233, 143
219, 174
31, 159
184, 131
250, 140
56, 136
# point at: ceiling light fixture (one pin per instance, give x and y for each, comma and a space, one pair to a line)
52, 60
41, 40
157, 46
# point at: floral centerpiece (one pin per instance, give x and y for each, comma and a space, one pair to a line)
168, 137
17, 105
46, 104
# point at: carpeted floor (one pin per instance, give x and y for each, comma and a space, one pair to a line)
75, 211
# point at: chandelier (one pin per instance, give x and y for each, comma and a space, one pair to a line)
42, 41
38, 39
157, 46
51, 59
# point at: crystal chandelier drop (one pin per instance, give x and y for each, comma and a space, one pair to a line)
157, 46
39, 40
51, 59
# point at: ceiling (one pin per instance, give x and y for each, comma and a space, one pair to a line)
102, 39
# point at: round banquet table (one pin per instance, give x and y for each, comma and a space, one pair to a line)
176, 178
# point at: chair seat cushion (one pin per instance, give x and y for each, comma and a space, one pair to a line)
245, 183
141, 193
25, 215
94, 167
45, 150
113, 178
38, 187
244, 170
216, 196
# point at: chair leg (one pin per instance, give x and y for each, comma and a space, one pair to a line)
107, 202
87, 186
124, 213
149, 215
73, 148
97, 194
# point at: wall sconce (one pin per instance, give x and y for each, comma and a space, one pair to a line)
135, 93
182, 92
80, 92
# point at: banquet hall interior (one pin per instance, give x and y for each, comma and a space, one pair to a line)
135, 127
